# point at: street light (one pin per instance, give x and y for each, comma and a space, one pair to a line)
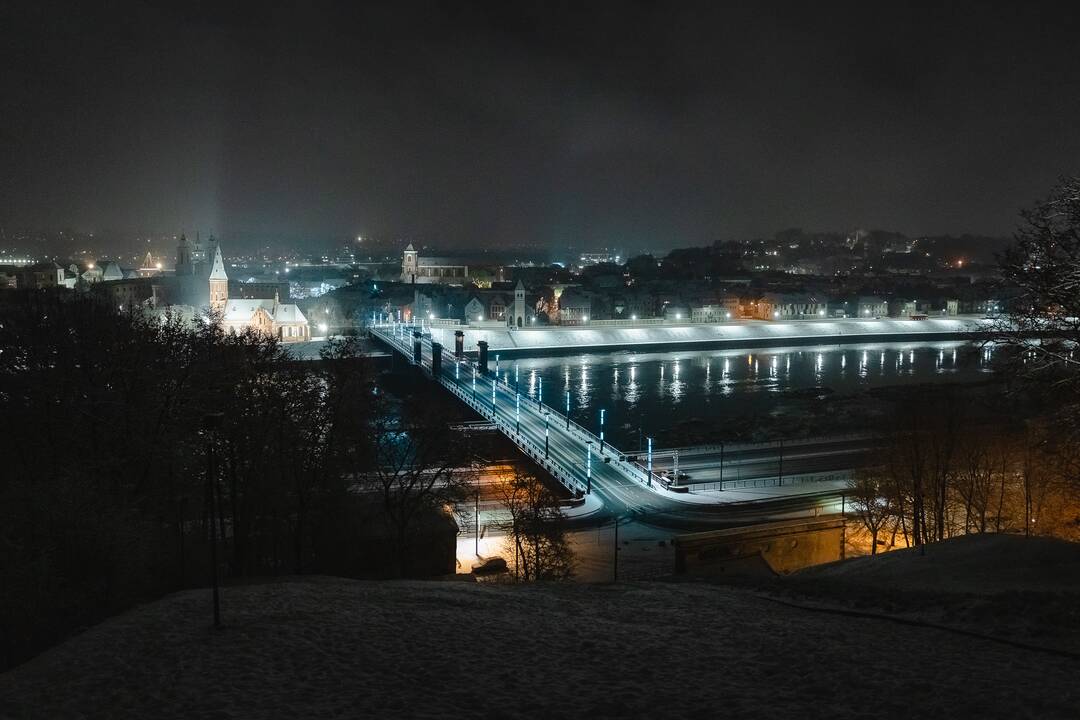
602, 431
547, 416
648, 472
588, 467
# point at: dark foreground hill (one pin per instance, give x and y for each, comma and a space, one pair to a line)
327, 647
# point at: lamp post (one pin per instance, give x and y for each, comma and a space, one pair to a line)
601, 432
648, 470
721, 464
588, 467
567, 409
546, 433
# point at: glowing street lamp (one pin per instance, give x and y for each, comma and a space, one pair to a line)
588, 467
546, 433
602, 431
648, 471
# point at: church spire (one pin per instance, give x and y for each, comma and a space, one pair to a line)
219, 282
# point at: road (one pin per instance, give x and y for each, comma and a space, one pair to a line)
572, 456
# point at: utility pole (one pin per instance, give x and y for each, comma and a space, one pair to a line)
780, 471
211, 422
721, 465
615, 554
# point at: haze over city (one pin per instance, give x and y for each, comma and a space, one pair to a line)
468, 125
539, 360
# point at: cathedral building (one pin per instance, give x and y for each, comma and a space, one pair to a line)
201, 281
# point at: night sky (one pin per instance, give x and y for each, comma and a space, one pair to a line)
481, 125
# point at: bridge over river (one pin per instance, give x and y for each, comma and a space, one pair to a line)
804, 478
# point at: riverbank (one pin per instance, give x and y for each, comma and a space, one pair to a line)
742, 333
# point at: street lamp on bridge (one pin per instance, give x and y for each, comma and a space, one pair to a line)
648, 471
546, 433
602, 431
588, 467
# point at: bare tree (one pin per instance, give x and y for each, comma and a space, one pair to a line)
420, 467
1041, 274
535, 530
870, 500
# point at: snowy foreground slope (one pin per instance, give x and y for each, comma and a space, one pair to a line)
326, 647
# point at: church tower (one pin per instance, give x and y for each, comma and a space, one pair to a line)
183, 256
517, 317
219, 283
409, 263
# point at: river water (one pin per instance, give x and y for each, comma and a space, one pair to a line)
658, 392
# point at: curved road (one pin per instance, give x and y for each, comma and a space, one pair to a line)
573, 457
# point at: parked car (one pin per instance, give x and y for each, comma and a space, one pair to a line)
489, 566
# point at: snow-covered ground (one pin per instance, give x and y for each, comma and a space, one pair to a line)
326, 647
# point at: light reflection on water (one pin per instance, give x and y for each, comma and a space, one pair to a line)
654, 388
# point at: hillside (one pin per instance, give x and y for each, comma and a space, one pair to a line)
328, 647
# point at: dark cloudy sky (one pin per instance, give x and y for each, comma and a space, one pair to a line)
475, 124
